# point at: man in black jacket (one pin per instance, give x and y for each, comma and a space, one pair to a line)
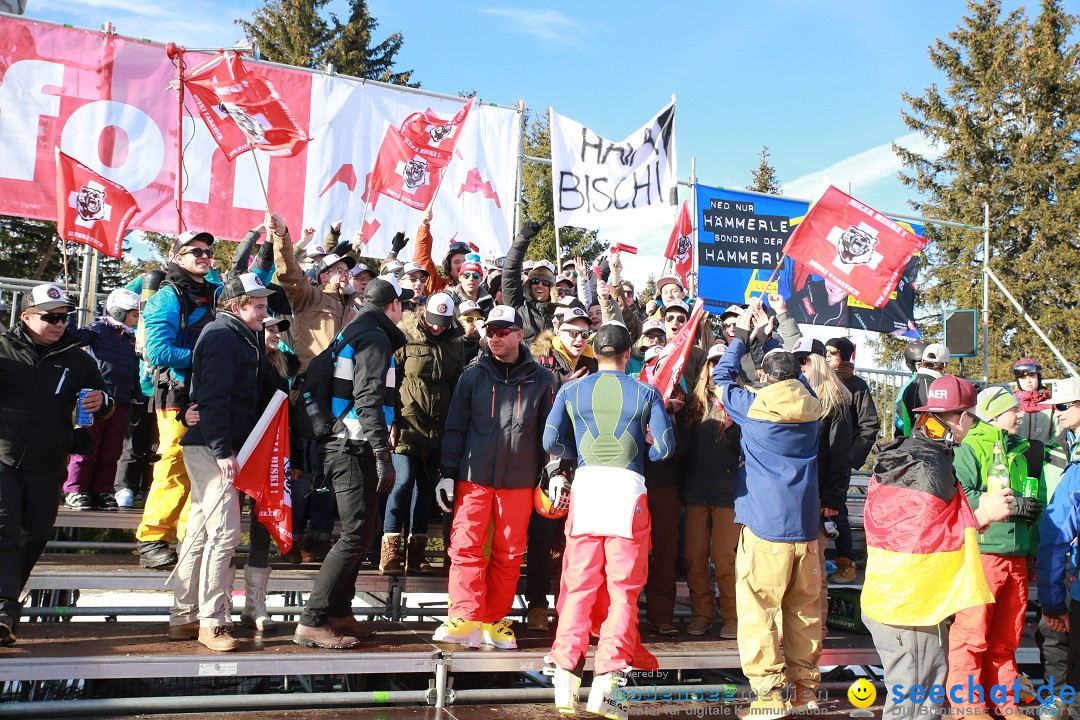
357, 461
840, 354
42, 371
491, 457
227, 372
532, 300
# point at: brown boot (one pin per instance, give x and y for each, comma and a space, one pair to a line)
218, 638
390, 555
314, 551
349, 625
845, 572
415, 562
323, 637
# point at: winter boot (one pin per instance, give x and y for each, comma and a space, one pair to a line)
845, 572
390, 560
415, 561
254, 613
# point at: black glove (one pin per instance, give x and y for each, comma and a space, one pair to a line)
384, 469
530, 228
399, 242
1027, 508
343, 248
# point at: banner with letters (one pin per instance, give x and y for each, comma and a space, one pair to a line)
600, 184
105, 100
741, 238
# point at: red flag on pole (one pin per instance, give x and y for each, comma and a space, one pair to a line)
91, 209
413, 158
853, 246
665, 373
264, 471
243, 110
680, 246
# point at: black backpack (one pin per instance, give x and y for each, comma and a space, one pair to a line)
310, 397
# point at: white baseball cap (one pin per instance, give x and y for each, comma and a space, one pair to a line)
469, 306
502, 316
49, 297
936, 353
439, 310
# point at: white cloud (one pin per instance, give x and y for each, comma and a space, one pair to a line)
198, 23
859, 170
548, 25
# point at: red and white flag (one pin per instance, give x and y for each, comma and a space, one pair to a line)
664, 374
680, 246
243, 110
91, 209
264, 470
853, 246
413, 158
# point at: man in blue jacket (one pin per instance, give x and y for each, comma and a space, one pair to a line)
1059, 529
174, 317
776, 501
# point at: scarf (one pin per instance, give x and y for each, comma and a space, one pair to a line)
845, 370
1033, 401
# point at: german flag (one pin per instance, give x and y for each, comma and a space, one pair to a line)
922, 555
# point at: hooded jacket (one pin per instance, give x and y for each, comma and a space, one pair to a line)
776, 489
864, 415
483, 298
318, 316
496, 422
1058, 530
834, 458
428, 369
173, 319
39, 386
973, 461
534, 317
547, 349
229, 382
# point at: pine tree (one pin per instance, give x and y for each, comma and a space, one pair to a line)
1006, 124
537, 202
295, 32
765, 176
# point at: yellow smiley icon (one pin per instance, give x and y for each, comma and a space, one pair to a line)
862, 693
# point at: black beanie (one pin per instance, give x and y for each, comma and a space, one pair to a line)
843, 346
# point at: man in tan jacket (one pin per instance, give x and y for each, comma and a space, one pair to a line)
320, 309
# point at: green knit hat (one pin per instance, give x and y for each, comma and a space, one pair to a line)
993, 401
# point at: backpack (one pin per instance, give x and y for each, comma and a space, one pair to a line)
312, 418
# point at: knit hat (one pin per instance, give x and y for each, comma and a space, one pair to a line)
993, 401
845, 347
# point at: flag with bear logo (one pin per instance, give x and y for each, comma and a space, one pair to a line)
243, 110
858, 249
413, 158
91, 209
680, 247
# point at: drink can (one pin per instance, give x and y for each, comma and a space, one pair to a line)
1031, 487
82, 417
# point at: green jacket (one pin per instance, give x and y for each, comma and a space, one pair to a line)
428, 368
972, 461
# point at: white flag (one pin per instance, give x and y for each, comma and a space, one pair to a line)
600, 184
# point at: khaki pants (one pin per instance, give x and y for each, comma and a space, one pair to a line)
778, 577
823, 541
711, 532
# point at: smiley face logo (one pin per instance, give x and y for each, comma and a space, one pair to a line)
862, 693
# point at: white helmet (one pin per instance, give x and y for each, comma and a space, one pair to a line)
120, 302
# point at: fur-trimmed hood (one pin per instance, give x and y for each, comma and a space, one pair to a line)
415, 332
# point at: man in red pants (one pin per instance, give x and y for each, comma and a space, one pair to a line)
601, 421
491, 456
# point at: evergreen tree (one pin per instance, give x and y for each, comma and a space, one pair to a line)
765, 176
295, 32
1006, 124
537, 202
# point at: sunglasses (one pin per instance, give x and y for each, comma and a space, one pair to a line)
656, 337
1027, 375
471, 320
198, 252
730, 324
563, 292
53, 318
537, 281
675, 319
503, 333
574, 333
1060, 407
472, 276
570, 273
628, 293
804, 360
422, 277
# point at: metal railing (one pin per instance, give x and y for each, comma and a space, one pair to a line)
13, 289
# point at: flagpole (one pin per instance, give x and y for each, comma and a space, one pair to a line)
693, 225
175, 52
262, 183
63, 250
554, 201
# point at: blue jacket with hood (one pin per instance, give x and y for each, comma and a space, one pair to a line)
776, 489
